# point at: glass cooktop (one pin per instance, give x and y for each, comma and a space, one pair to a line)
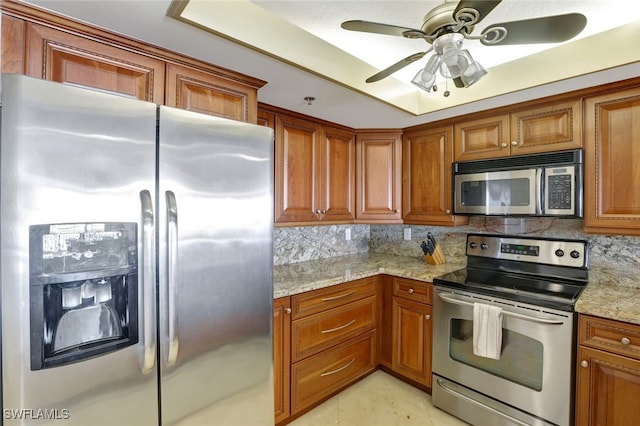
549, 292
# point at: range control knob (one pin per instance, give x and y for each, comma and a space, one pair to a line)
484, 246
574, 254
559, 252
473, 244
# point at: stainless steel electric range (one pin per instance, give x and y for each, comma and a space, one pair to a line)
531, 286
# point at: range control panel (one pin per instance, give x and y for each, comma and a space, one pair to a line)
571, 253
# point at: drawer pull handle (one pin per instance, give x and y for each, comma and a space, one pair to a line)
331, 330
625, 341
340, 296
410, 291
337, 370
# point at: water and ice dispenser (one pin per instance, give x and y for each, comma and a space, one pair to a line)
83, 291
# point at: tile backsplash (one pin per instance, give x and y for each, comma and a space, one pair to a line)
292, 245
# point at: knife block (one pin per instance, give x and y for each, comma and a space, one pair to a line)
437, 258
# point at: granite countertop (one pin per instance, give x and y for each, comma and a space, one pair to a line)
613, 292
315, 274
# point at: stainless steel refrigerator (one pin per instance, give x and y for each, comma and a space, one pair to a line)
135, 261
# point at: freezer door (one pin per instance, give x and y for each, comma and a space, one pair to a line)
77, 159
215, 270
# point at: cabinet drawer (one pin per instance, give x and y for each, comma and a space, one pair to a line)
317, 377
417, 291
320, 331
316, 301
609, 335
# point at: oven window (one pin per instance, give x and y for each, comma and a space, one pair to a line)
520, 360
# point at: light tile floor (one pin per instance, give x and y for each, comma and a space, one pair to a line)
378, 400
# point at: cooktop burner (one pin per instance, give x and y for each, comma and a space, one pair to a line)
543, 272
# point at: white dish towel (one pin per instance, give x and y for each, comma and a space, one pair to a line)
487, 330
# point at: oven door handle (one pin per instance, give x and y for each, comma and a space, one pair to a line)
484, 406
506, 313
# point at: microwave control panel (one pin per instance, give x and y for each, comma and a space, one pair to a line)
559, 189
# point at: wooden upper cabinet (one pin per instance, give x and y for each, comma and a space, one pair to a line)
67, 58
296, 163
612, 163
378, 176
482, 138
549, 127
314, 169
337, 175
554, 127
207, 93
426, 177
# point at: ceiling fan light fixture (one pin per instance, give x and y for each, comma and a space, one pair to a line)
455, 62
474, 72
426, 77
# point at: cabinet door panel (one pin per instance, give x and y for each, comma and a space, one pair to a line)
198, 91
608, 389
296, 159
426, 158
551, 128
612, 163
66, 58
378, 173
482, 138
337, 182
412, 340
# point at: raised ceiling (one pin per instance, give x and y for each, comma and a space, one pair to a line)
308, 34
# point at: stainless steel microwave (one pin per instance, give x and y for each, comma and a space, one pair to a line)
547, 184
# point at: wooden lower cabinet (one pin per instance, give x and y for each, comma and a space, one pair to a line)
333, 340
320, 376
608, 373
412, 340
281, 356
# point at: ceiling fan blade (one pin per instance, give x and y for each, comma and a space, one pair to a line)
550, 29
377, 28
482, 6
397, 66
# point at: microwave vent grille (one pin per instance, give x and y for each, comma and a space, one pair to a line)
520, 162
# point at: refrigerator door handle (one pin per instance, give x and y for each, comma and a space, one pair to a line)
172, 264
148, 280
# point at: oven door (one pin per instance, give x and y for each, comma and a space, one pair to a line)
534, 373
514, 192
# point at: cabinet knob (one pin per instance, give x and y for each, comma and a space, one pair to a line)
427, 317
514, 143
625, 341
584, 363
323, 211
447, 211
503, 144
410, 291
287, 310
396, 211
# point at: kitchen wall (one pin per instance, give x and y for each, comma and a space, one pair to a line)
292, 245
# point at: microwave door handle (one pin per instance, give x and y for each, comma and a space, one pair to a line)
148, 280
454, 301
539, 187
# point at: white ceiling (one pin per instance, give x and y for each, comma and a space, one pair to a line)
299, 48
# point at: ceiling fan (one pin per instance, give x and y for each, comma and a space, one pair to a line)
445, 27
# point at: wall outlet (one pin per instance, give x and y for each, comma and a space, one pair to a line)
407, 234
347, 234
